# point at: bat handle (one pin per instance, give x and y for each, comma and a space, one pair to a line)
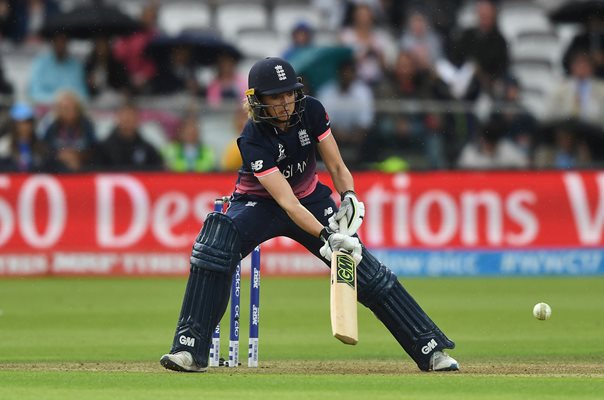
343, 226
344, 231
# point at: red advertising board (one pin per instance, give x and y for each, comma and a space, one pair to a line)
145, 223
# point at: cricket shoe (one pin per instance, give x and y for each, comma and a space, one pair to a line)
441, 361
181, 361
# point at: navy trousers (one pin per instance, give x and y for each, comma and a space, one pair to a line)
259, 219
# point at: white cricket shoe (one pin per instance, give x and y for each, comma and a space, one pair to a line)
441, 361
181, 361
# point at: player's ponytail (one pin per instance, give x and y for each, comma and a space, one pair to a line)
247, 107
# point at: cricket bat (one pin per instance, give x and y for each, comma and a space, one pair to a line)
343, 296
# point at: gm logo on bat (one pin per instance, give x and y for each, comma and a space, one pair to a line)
345, 269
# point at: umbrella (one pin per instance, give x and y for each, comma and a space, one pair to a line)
578, 11
319, 65
87, 22
205, 47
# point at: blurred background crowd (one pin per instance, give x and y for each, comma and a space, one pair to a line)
409, 85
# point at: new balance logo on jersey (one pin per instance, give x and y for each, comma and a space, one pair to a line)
327, 211
251, 203
280, 72
257, 165
187, 341
303, 136
429, 347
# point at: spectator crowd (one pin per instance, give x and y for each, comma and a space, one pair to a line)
417, 90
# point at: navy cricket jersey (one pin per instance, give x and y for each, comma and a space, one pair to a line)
266, 149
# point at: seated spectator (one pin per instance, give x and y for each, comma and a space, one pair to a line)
351, 109
589, 40
54, 71
228, 83
483, 45
377, 8
580, 96
70, 137
419, 137
412, 78
125, 149
567, 150
188, 153
103, 71
302, 37
130, 50
26, 18
332, 12
420, 40
492, 151
25, 152
401, 129
369, 44
176, 75
519, 124
441, 14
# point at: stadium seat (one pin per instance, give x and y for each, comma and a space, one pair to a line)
217, 122
537, 45
466, 16
232, 17
535, 76
323, 37
218, 3
67, 5
260, 43
535, 101
154, 133
534, 63
244, 66
175, 17
566, 33
520, 17
133, 8
17, 70
286, 16
104, 122
294, 2
80, 48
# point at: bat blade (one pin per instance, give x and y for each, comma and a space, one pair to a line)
343, 298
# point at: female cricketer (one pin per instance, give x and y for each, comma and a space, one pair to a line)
278, 194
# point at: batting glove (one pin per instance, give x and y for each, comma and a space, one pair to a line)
351, 210
336, 241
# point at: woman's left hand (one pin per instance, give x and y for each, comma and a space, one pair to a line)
352, 210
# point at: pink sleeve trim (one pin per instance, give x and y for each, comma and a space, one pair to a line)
267, 172
325, 134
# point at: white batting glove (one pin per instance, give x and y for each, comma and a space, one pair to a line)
352, 210
337, 241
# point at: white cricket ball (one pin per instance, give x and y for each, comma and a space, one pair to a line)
542, 311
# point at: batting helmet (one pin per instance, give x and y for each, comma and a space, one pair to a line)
269, 76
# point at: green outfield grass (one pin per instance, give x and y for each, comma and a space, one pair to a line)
102, 339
